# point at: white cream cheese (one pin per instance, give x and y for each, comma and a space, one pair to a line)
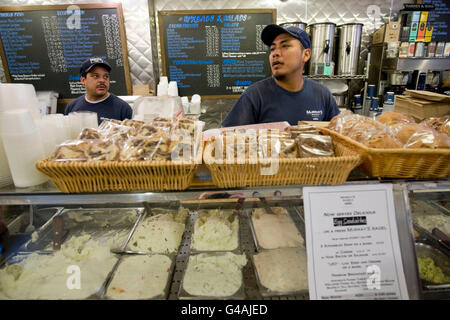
214, 275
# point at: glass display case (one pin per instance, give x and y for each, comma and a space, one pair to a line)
130, 233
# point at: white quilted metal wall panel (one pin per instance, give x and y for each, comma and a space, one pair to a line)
372, 13
137, 29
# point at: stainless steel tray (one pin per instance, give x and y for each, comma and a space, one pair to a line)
195, 216
293, 214
266, 292
146, 215
427, 249
100, 224
19, 257
102, 294
184, 295
427, 209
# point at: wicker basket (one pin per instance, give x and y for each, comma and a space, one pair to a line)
396, 163
308, 171
100, 176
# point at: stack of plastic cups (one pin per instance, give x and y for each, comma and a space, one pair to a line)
58, 123
23, 147
173, 89
15, 96
195, 106
88, 119
185, 104
76, 124
48, 135
163, 87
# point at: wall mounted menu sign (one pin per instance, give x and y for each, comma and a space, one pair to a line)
45, 45
214, 53
352, 243
439, 19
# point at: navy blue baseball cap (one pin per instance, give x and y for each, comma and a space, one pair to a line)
92, 62
271, 31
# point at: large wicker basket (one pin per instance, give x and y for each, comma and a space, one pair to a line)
307, 171
100, 176
396, 163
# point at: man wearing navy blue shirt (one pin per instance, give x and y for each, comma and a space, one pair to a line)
95, 78
286, 96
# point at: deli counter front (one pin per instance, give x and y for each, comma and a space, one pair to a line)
199, 244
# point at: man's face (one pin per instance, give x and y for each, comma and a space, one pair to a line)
96, 82
287, 56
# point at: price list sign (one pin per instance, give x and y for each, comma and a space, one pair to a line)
46, 45
352, 243
216, 53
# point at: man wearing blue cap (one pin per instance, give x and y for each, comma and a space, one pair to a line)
95, 78
286, 96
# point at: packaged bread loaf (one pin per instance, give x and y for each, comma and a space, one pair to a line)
363, 130
392, 117
314, 145
429, 139
383, 140
294, 131
145, 148
72, 150
441, 124
274, 147
89, 133
403, 131
103, 150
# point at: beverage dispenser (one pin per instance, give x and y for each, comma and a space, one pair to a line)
348, 50
322, 45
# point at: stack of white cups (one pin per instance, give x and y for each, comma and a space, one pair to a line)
195, 106
163, 87
20, 135
173, 89
23, 147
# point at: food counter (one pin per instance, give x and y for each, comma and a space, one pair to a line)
116, 219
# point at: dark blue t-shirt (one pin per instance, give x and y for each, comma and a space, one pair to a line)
265, 101
111, 108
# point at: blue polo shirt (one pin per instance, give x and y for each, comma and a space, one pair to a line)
265, 101
112, 108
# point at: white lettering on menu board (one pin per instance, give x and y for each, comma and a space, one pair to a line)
352, 243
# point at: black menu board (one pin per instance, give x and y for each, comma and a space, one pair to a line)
45, 45
214, 53
439, 19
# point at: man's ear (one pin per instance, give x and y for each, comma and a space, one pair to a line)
82, 80
306, 55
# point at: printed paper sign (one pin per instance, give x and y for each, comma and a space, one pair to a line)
352, 243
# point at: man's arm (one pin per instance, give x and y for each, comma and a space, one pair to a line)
242, 113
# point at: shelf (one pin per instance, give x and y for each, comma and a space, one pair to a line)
336, 77
414, 63
47, 194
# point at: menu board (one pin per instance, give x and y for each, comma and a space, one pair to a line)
439, 19
216, 53
45, 45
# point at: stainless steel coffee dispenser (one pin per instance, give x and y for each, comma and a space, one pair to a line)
322, 45
298, 24
348, 50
